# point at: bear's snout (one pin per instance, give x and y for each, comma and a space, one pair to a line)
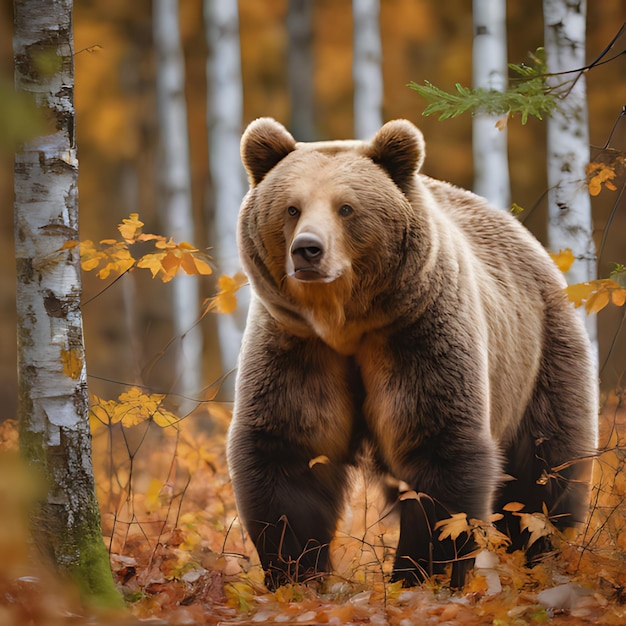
307, 251
307, 247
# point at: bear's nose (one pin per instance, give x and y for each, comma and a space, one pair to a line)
307, 247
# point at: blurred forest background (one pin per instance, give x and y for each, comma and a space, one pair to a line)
129, 325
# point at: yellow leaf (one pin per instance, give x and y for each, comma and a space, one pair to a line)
72, 363
579, 292
89, 256
99, 417
130, 227
322, 458
537, 524
453, 526
596, 294
152, 262
119, 260
164, 418
564, 259
200, 266
152, 494
239, 595
225, 300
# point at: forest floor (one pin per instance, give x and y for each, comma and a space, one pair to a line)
179, 555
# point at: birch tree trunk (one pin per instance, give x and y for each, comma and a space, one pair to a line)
175, 196
569, 213
53, 400
224, 118
300, 68
489, 63
366, 68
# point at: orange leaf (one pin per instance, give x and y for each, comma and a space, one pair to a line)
225, 300
597, 300
322, 458
513, 506
618, 296
564, 259
599, 173
502, 123
170, 264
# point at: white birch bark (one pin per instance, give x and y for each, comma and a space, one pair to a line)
489, 64
224, 119
300, 68
569, 213
367, 68
53, 402
175, 197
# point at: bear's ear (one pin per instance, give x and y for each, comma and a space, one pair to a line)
398, 147
264, 143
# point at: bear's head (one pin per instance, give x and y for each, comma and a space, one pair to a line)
325, 226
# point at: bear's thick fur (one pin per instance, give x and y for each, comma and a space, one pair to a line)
399, 314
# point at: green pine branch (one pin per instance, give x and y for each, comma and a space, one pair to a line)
528, 95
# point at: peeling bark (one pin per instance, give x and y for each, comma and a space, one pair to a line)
569, 213
53, 401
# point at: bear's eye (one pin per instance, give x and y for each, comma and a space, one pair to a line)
345, 210
293, 211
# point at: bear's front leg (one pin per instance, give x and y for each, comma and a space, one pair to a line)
427, 407
288, 502
453, 472
287, 448
421, 552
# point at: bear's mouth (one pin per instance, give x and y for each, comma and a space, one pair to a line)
310, 274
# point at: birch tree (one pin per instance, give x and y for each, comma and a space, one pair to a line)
300, 68
489, 63
569, 212
367, 68
224, 118
175, 183
53, 402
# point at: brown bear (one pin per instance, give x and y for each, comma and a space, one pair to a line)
397, 314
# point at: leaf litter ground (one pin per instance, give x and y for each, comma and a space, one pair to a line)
179, 555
